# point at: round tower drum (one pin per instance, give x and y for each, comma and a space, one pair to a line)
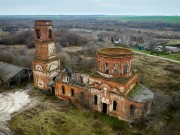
114, 62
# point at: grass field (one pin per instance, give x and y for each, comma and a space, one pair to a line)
158, 74
57, 117
20, 46
173, 42
175, 56
170, 19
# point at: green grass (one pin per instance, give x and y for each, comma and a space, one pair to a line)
169, 19
57, 117
134, 90
157, 74
173, 56
53, 117
172, 42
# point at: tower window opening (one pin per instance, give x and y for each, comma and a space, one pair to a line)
38, 35
50, 33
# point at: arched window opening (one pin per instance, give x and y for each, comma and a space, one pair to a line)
95, 99
50, 33
54, 78
99, 65
114, 105
81, 79
72, 92
132, 110
106, 68
116, 69
63, 90
38, 35
67, 79
125, 68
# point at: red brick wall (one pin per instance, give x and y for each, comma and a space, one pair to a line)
123, 108
41, 50
42, 55
43, 27
127, 86
111, 61
130, 84
123, 104
41, 63
67, 95
44, 79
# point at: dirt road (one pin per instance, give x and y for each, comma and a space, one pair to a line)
157, 57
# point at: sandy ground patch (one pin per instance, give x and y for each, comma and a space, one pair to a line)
12, 103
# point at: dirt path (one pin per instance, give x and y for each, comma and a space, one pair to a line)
13, 103
72, 49
157, 57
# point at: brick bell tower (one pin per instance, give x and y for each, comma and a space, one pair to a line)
46, 65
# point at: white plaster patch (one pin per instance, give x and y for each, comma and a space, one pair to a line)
91, 80
121, 89
51, 49
39, 68
53, 74
93, 90
105, 100
39, 73
54, 65
40, 82
105, 75
114, 89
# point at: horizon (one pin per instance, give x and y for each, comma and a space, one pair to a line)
85, 15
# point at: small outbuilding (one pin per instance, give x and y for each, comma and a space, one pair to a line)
12, 74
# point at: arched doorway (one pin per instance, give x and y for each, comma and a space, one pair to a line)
104, 108
95, 99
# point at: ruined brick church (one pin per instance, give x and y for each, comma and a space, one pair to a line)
113, 89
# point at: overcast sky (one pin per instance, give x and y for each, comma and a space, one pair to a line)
89, 7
